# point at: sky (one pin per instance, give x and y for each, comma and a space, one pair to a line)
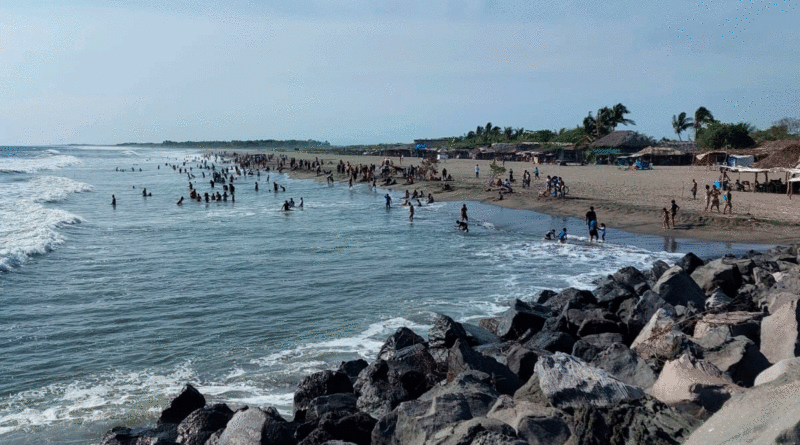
384, 71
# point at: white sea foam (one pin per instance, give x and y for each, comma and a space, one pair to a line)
29, 228
32, 165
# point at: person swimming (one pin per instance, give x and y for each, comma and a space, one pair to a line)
291, 202
562, 237
551, 235
285, 206
180, 201
461, 225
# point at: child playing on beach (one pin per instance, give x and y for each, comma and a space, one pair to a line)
562, 237
603, 232
666, 218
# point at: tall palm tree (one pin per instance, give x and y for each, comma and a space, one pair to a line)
479, 131
701, 117
508, 132
618, 113
681, 123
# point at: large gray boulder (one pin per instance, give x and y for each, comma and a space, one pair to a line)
718, 275
765, 414
198, 426
321, 383
520, 361
789, 367
739, 358
690, 262
567, 381
418, 421
534, 423
630, 277
520, 318
571, 296
721, 327
552, 341
463, 358
693, 384
181, 406
445, 331
780, 333
632, 422
677, 288
644, 308
254, 426
661, 337
476, 429
625, 365
402, 338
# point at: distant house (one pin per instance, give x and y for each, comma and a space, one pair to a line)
501, 151
664, 156
618, 143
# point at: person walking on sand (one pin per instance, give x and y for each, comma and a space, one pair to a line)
715, 198
708, 197
694, 189
665, 214
728, 204
673, 210
477, 171
464, 213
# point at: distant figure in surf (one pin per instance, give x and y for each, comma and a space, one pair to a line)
388, 201
460, 225
411, 212
562, 237
464, 213
256, 185
180, 201
113, 200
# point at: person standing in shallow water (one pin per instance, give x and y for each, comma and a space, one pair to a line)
673, 209
411, 212
113, 200
464, 213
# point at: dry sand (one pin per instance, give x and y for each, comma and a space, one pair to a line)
623, 199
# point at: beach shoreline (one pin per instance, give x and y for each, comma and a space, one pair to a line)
626, 200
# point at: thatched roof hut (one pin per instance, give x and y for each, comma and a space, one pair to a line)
618, 143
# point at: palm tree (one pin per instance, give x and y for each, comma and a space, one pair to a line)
701, 117
489, 128
617, 116
508, 132
681, 123
479, 131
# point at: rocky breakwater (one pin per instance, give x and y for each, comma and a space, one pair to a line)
698, 352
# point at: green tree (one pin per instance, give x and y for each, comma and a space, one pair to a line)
717, 135
543, 135
497, 170
681, 123
791, 124
702, 117
617, 116
479, 131
508, 132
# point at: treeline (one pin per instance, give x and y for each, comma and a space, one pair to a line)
260, 143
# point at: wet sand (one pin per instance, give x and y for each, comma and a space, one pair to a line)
628, 200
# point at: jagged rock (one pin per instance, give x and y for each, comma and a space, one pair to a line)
576, 297
353, 428
739, 358
655, 272
787, 281
341, 403
789, 367
676, 287
718, 274
660, 337
445, 331
164, 434
763, 277
417, 421
520, 361
321, 383
625, 365
543, 296
463, 358
187, 401
644, 309
570, 382
466, 432
490, 324
632, 278
780, 335
610, 294
198, 426
721, 327
745, 267
497, 351
689, 263
384, 384
352, 368
589, 346
551, 341
534, 423
477, 335
402, 338
590, 321
632, 422
773, 300
693, 384
521, 317
254, 426
765, 414
718, 302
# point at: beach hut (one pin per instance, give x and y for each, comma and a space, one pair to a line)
663, 156
618, 143
740, 160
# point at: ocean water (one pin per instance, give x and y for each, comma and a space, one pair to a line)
106, 312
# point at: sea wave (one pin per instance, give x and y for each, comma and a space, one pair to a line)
27, 226
32, 165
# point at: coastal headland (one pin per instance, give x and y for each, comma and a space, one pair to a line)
628, 200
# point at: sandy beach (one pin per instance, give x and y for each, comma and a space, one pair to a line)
628, 200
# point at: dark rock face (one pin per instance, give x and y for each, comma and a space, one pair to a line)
321, 383
718, 275
520, 361
352, 368
654, 274
164, 434
625, 365
643, 421
340, 404
477, 335
689, 263
402, 338
445, 331
643, 310
355, 428
189, 400
463, 358
521, 317
551, 341
677, 288
202, 423
740, 359
254, 426
576, 297
630, 277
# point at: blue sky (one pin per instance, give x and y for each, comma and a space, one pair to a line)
365, 71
